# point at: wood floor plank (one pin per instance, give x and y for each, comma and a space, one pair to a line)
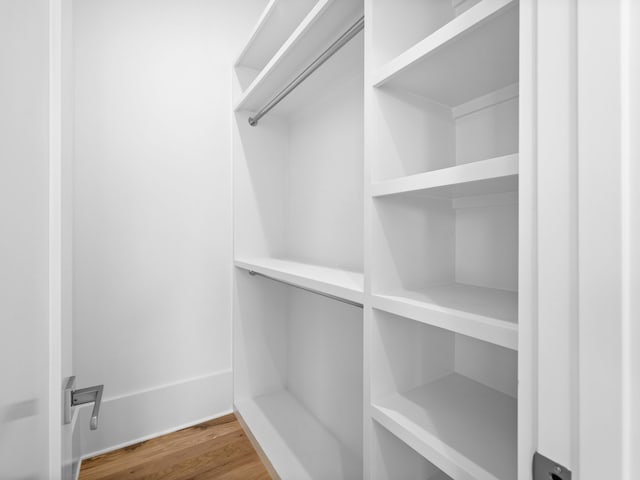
158, 447
216, 449
126, 459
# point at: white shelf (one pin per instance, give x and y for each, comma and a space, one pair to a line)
466, 429
340, 283
278, 20
322, 26
487, 314
495, 175
472, 55
296, 444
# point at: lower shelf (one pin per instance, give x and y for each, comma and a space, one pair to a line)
466, 429
487, 314
296, 443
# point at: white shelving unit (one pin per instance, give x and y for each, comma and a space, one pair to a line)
298, 209
388, 179
444, 169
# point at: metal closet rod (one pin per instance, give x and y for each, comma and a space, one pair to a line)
317, 292
326, 55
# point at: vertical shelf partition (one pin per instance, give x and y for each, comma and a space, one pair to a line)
442, 309
410, 212
298, 225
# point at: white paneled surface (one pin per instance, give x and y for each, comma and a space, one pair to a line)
24, 248
470, 179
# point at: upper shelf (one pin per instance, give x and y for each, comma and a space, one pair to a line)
279, 19
473, 54
495, 175
333, 281
326, 21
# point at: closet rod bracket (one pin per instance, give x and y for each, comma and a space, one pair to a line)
351, 32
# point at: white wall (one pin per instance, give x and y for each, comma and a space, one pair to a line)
24, 225
152, 210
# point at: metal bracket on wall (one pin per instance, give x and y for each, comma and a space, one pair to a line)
546, 469
73, 398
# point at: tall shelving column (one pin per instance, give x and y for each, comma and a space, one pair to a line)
298, 266
441, 239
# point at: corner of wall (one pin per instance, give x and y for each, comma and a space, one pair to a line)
139, 416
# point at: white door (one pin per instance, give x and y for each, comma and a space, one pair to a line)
35, 347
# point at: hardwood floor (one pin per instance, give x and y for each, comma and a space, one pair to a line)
216, 449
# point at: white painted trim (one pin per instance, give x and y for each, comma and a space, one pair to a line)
76, 461
137, 416
528, 247
602, 231
626, 192
629, 382
557, 231
107, 398
631, 242
55, 239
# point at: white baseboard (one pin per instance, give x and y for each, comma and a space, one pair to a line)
139, 416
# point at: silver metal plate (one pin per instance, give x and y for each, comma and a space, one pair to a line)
67, 414
546, 469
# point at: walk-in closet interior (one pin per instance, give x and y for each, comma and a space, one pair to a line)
319, 239
376, 238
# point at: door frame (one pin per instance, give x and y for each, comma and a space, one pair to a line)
608, 225
56, 431
582, 350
